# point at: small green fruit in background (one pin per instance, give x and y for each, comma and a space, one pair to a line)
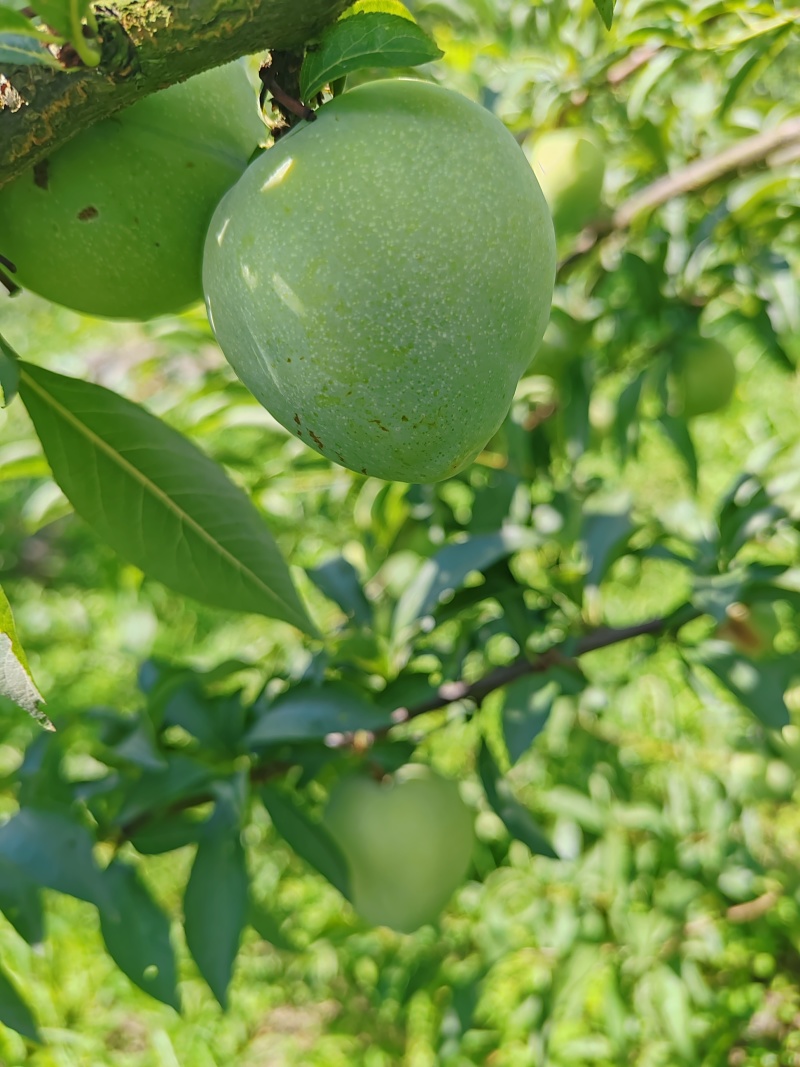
381, 278
113, 223
407, 842
705, 377
570, 166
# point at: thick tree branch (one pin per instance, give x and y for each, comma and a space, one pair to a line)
146, 45
749, 152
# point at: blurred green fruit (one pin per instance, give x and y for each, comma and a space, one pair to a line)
407, 842
113, 223
570, 166
705, 377
380, 279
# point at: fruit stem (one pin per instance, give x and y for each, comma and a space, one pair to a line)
284, 67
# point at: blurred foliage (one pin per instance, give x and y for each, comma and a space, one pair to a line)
661, 773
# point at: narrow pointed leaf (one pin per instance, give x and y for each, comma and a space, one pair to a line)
215, 906
157, 499
9, 373
24, 51
527, 704
51, 850
367, 39
136, 934
606, 11
310, 712
309, 840
16, 683
21, 903
14, 1012
760, 685
518, 820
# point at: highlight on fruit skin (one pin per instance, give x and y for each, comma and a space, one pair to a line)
113, 223
382, 276
569, 165
407, 841
704, 377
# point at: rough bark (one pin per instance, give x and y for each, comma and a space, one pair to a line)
146, 45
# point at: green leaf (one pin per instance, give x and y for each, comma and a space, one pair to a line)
21, 903
760, 685
215, 905
308, 839
154, 790
136, 934
604, 536
16, 682
9, 373
606, 10
167, 833
268, 927
14, 22
53, 851
157, 499
57, 14
338, 579
310, 712
14, 1012
367, 39
24, 51
387, 7
517, 819
678, 432
446, 571
527, 704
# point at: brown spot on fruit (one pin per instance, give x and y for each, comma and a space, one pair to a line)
297, 418
88, 213
380, 425
316, 440
363, 470
404, 418
41, 173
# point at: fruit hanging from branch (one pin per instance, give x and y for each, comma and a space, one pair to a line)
570, 166
407, 842
382, 276
113, 223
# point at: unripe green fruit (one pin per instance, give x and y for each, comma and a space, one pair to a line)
705, 378
407, 843
380, 279
113, 223
570, 166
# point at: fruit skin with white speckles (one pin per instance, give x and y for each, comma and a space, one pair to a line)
113, 223
407, 842
381, 278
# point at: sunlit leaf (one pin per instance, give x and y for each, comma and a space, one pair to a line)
309, 839
157, 499
368, 39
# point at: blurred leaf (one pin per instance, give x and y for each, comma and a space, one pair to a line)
157, 499
448, 568
167, 833
16, 683
215, 905
746, 512
310, 840
268, 928
606, 10
53, 851
154, 790
367, 39
339, 581
14, 22
677, 431
760, 685
137, 935
604, 536
21, 903
517, 819
14, 1012
672, 1001
627, 424
17, 51
309, 713
58, 13
527, 704
9, 373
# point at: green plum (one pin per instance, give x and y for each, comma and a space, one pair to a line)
570, 167
113, 223
705, 377
407, 843
381, 278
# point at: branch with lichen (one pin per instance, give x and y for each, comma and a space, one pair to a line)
145, 45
